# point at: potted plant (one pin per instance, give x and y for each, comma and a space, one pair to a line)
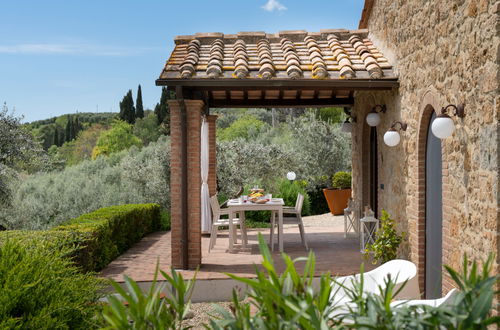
338, 196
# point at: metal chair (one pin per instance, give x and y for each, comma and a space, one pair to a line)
217, 222
294, 218
238, 194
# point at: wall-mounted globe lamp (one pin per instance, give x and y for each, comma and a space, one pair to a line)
291, 176
373, 118
443, 126
347, 125
392, 136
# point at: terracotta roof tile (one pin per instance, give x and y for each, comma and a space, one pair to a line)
328, 54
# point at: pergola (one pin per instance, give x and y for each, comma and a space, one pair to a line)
253, 69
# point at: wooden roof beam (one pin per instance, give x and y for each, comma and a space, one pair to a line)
276, 103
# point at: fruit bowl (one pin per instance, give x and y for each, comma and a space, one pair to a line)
256, 194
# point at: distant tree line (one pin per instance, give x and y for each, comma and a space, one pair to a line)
69, 133
62, 129
130, 112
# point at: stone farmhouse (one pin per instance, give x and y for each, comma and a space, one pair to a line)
411, 64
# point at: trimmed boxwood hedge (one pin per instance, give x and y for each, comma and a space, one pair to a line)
100, 236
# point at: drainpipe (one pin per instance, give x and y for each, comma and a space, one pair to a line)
184, 182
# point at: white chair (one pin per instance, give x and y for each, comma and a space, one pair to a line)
350, 222
217, 222
342, 309
295, 218
399, 270
292, 209
446, 300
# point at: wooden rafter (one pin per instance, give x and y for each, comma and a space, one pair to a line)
280, 103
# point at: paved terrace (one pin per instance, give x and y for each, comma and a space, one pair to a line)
325, 236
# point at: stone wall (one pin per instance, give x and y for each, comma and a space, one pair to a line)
443, 52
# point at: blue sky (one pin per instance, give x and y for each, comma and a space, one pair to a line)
60, 57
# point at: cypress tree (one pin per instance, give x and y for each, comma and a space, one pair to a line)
55, 140
157, 113
161, 109
127, 111
77, 126
72, 129
68, 129
139, 109
62, 137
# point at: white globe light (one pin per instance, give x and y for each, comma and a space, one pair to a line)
373, 119
346, 127
392, 138
442, 127
291, 176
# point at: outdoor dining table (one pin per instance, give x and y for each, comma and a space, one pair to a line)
240, 206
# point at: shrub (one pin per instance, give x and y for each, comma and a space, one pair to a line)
387, 240
110, 231
246, 127
147, 129
150, 310
41, 289
288, 190
342, 180
317, 199
332, 115
80, 149
100, 236
165, 223
118, 138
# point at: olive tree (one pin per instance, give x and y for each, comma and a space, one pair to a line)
18, 150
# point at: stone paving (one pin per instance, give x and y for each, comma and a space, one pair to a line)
324, 233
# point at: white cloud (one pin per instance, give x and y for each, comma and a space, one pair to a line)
71, 49
273, 5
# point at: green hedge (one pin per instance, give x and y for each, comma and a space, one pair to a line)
100, 236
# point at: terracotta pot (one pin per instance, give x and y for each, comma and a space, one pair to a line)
337, 199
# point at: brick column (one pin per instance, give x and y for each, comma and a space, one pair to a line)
212, 152
193, 109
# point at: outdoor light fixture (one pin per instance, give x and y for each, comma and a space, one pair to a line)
291, 176
373, 118
347, 125
443, 126
392, 137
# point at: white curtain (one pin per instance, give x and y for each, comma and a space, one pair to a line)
206, 217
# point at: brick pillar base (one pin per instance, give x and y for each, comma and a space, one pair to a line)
193, 109
212, 152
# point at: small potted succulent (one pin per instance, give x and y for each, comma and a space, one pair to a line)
337, 197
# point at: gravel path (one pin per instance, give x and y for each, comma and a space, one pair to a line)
201, 314
323, 220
